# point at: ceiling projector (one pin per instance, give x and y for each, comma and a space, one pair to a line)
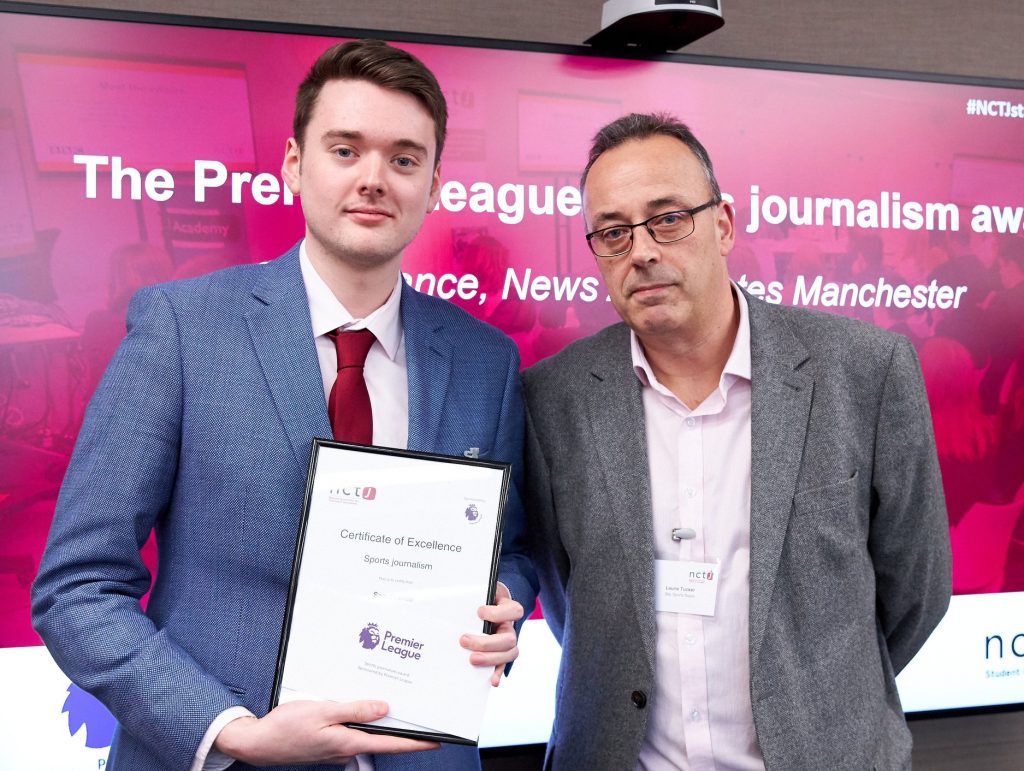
657, 25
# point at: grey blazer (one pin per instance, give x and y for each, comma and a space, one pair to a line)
849, 555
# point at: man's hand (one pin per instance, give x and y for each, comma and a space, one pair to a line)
497, 649
310, 732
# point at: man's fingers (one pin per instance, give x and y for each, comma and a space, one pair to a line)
494, 650
357, 742
501, 640
325, 713
496, 659
499, 648
356, 711
505, 610
311, 732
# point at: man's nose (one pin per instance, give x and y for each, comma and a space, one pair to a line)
645, 248
372, 169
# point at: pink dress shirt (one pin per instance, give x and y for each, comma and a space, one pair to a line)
699, 461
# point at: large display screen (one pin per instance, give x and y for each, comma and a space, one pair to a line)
135, 152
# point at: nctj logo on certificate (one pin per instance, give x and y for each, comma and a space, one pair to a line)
403, 647
351, 495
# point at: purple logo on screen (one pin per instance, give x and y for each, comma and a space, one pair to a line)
84, 709
369, 638
473, 513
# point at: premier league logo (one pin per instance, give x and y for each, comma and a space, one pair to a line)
84, 709
472, 513
369, 638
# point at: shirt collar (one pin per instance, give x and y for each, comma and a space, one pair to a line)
328, 314
736, 366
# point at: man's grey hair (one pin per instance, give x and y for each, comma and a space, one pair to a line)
637, 126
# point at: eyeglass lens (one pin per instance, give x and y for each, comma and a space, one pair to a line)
665, 228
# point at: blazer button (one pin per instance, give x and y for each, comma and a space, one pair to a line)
639, 699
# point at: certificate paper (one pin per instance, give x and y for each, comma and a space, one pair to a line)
396, 551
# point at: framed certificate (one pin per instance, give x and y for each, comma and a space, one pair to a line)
396, 550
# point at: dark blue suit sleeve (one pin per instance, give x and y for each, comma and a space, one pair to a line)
516, 569
86, 598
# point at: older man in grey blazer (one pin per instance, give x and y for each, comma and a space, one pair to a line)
737, 513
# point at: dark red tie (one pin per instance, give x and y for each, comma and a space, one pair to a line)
349, 405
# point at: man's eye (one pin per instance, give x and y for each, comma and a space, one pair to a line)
343, 152
672, 218
613, 234
405, 162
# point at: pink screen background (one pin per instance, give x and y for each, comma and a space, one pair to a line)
517, 119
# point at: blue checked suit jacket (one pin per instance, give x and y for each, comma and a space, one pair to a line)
201, 429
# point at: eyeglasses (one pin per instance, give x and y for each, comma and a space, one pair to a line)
664, 228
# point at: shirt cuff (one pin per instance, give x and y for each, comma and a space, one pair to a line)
207, 758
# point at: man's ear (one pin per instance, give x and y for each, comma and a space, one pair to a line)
291, 166
435, 189
725, 227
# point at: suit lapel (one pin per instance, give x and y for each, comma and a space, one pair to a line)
616, 417
781, 393
282, 336
428, 358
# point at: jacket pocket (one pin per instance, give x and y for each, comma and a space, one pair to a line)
828, 496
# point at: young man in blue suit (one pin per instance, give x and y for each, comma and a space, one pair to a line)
201, 430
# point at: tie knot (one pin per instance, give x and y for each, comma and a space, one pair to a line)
352, 346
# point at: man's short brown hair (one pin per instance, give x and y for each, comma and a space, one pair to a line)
636, 126
381, 64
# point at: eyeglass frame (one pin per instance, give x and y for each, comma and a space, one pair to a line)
689, 212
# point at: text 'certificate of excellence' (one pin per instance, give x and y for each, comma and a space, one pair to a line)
396, 551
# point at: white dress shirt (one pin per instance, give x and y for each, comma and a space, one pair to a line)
388, 385
385, 372
699, 461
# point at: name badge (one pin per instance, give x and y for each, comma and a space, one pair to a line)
685, 587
